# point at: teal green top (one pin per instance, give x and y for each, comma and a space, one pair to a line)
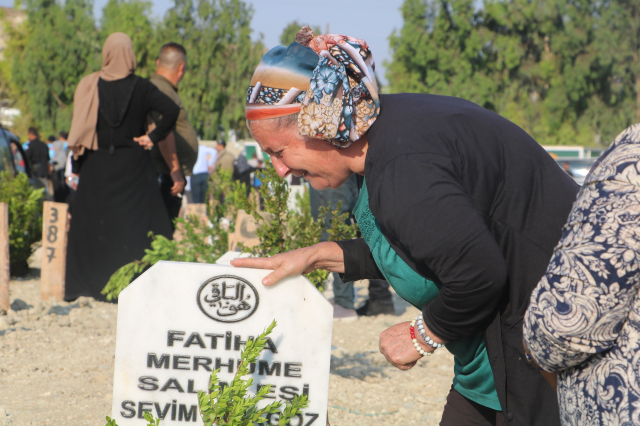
473, 377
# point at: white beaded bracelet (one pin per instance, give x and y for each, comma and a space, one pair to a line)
424, 336
415, 341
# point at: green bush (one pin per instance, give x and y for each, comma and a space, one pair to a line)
283, 230
279, 229
202, 242
25, 219
231, 406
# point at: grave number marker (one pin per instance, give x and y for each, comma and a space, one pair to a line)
4, 257
54, 247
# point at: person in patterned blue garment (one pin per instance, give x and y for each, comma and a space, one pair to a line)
583, 320
459, 211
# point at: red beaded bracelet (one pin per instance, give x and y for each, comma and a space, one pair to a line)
412, 330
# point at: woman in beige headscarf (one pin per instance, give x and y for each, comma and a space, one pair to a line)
118, 201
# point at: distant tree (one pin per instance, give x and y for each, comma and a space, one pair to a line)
560, 79
133, 17
442, 49
620, 32
56, 47
15, 34
288, 35
221, 59
549, 66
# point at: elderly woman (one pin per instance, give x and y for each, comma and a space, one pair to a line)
459, 209
584, 317
118, 201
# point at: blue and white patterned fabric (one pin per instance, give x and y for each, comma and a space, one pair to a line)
583, 319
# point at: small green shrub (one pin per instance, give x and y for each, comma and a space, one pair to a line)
284, 230
201, 242
232, 405
25, 219
279, 229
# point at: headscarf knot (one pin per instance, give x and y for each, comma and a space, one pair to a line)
335, 94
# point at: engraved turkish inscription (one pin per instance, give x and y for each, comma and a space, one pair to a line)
178, 322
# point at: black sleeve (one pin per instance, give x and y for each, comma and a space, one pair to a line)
157, 101
76, 164
358, 261
422, 206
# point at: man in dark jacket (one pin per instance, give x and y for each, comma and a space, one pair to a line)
38, 154
174, 162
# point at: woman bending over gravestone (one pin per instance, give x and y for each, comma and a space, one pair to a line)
459, 208
118, 200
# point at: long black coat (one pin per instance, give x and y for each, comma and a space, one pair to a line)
118, 201
472, 202
38, 156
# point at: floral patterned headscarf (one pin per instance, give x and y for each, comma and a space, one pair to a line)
327, 79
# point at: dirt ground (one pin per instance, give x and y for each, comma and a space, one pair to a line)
58, 358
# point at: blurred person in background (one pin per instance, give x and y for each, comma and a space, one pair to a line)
50, 140
118, 201
567, 168
38, 154
224, 159
173, 164
583, 319
253, 161
18, 160
380, 299
201, 170
242, 171
58, 163
71, 180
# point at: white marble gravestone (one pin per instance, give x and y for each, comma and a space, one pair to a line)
178, 321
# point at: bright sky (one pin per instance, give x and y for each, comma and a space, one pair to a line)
371, 20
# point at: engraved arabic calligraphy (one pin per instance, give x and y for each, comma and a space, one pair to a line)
227, 298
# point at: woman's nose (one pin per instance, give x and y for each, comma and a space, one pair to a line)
282, 169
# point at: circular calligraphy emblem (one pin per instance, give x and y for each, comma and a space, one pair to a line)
227, 298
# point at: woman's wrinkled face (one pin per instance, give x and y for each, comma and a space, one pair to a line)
320, 163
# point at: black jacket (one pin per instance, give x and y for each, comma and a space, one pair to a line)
124, 105
472, 202
38, 156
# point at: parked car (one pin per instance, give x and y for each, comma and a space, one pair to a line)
13, 158
578, 168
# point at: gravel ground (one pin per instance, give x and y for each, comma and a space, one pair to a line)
57, 358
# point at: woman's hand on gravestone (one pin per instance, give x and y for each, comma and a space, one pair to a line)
301, 261
397, 347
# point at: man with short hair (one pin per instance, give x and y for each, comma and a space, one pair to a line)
175, 159
225, 158
37, 154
